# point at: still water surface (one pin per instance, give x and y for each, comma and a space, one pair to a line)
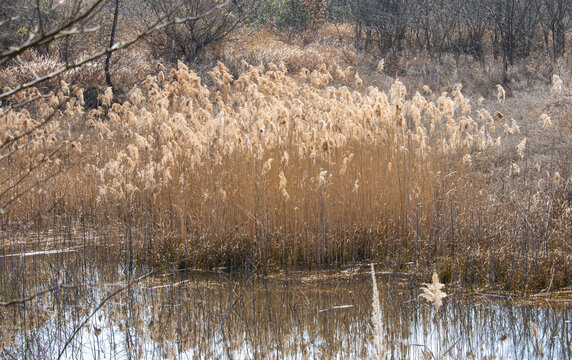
244, 315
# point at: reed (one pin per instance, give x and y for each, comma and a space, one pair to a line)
272, 167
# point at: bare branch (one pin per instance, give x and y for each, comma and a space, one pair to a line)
35, 41
158, 25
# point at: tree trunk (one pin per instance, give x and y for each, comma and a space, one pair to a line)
559, 39
111, 43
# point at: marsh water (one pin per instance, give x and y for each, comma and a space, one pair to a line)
81, 310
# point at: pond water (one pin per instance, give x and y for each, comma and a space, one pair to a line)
85, 311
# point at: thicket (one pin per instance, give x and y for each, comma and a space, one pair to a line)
505, 31
509, 30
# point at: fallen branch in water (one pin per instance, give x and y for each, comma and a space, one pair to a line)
47, 252
336, 308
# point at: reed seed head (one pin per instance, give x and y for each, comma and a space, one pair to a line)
501, 94
432, 292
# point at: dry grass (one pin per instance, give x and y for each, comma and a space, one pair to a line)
282, 167
129, 69
264, 47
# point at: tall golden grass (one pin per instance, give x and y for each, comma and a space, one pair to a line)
279, 168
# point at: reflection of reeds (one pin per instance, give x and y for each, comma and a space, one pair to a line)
537, 345
376, 317
432, 292
202, 314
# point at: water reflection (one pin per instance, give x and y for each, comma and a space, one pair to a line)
296, 315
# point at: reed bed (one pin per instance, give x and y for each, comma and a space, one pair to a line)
273, 168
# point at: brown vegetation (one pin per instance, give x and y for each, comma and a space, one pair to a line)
311, 167
301, 152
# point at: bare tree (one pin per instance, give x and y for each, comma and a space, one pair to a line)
187, 39
439, 19
384, 23
555, 14
476, 22
511, 28
516, 22
11, 23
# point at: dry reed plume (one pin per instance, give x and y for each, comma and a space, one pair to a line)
276, 168
432, 292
